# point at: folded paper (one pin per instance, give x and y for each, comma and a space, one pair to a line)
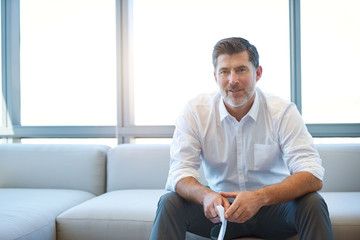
221, 213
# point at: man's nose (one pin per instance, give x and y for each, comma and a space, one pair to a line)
233, 78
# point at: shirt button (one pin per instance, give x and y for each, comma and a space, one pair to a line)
240, 173
239, 153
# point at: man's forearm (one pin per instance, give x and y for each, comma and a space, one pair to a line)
190, 189
294, 186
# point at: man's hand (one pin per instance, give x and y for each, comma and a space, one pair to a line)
210, 201
245, 205
190, 189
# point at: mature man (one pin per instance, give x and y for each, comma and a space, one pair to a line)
258, 158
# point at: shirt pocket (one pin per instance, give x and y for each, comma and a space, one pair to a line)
265, 156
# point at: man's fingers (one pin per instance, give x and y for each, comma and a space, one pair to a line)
213, 213
226, 205
229, 194
210, 213
231, 210
235, 215
215, 219
242, 217
210, 202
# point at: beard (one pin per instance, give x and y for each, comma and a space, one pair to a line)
238, 102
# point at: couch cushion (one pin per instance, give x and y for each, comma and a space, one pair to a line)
30, 213
344, 210
150, 161
80, 167
122, 214
342, 167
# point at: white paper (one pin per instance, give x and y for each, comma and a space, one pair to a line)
220, 210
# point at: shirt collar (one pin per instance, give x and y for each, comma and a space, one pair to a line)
222, 110
253, 112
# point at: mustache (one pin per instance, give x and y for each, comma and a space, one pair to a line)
235, 87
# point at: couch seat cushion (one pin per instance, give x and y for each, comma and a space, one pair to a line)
121, 214
344, 210
30, 213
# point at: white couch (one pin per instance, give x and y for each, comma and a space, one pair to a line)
39, 182
31, 201
135, 181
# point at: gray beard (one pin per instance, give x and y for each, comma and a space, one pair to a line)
240, 104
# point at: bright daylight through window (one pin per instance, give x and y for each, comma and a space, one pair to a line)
330, 60
1, 89
67, 67
173, 41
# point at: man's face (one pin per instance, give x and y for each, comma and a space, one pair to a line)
236, 77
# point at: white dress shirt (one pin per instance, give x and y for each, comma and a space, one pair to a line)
269, 143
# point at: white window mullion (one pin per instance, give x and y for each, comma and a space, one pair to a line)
12, 62
125, 106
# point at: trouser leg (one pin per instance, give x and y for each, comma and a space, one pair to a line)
175, 216
312, 217
308, 216
268, 223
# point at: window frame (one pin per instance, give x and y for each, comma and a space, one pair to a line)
125, 130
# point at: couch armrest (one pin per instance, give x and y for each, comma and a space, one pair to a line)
80, 167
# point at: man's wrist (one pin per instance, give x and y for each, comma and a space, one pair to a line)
263, 197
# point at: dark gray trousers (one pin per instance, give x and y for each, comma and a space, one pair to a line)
307, 216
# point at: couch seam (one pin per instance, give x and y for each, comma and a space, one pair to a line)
37, 229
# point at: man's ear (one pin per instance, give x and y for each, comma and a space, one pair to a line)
215, 77
259, 71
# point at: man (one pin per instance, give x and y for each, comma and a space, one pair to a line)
258, 158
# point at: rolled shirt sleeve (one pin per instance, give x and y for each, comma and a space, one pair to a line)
297, 144
185, 150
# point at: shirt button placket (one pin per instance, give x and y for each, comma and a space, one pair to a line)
239, 157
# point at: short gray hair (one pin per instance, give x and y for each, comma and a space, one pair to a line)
235, 45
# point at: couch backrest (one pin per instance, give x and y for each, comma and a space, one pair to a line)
147, 166
342, 167
81, 167
138, 166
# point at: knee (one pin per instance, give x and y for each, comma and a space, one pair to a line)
312, 199
312, 203
170, 202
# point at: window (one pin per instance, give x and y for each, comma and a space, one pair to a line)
173, 42
330, 56
2, 100
124, 69
67, 62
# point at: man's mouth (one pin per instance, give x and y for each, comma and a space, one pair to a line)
234, 91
